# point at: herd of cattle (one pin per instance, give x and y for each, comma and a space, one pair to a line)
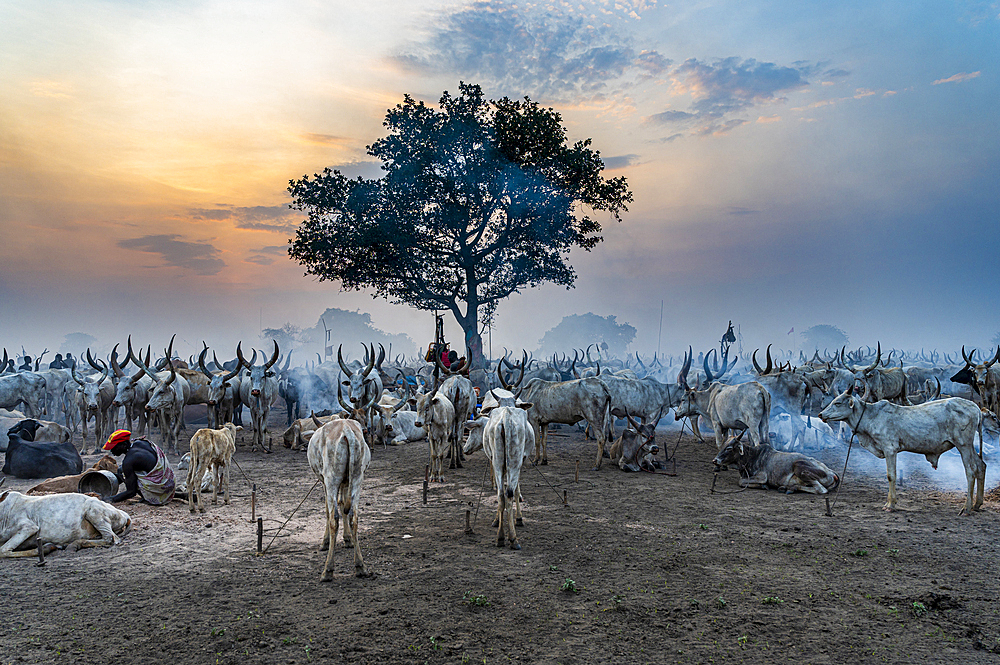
926, 404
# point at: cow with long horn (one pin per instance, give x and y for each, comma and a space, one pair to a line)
726, 406
132, 392
94, 398
984, 378
170, 392
222, 388
462, 395
258, 391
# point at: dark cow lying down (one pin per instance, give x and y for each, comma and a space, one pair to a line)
40, 459
636, 449
764, 467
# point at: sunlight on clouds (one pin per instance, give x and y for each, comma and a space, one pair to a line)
957, 78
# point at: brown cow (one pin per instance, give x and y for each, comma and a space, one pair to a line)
64, 484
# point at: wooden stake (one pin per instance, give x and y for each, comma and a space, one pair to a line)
260, 535
468, 522
253, 503
427, 475
41, 552
577, 472
564, 498
829, 513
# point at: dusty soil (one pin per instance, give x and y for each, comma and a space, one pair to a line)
635, 568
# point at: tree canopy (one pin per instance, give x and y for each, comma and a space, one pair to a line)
578, 331
479, 199
824, 336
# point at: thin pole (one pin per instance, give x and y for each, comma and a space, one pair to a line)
659, 335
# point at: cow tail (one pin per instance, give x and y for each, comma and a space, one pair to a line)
508, 490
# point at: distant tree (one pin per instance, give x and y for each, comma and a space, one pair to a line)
578, 331
352, 329
77, 343
995, 342
824, 337
479, 200
288, 336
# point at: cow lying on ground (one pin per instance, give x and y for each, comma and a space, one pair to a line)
211, 453
64, 484
300, 431
764, 467
339, 457
41, 430
40, 459
73, 520
636, 449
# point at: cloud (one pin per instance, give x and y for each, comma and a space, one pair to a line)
260, 260
732, 84
201, 258
619, 162
724, 88
278, 219
325, 139
279, 250
957, 78
550, 51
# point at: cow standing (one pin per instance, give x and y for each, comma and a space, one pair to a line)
930, 429
258, 391
339, 457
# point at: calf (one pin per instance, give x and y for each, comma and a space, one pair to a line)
403, 428
40, 459
764, 467
930, 429
339, 457
75, 520
436, 415
211, 451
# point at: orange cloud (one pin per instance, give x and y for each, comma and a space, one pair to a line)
957, 78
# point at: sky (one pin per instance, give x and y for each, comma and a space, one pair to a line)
792, 163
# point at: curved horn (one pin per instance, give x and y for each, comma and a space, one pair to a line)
312, 414
170, 350
381, 355
72, 372
756, 366
631, 421
996, 357
90, 360
506, 386
243, 361
878, 359
143, 366
288, 361
104, 373
340, 398
708, 372
114, 363
173, 375
201, 363
406, 395
769, 367
371, 361
343, 366
274, 356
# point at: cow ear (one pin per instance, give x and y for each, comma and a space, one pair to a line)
412, 401
525, 405
740, 447
346, 383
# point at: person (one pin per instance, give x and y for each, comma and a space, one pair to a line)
69, 362
145, 469
57, 363
27, 364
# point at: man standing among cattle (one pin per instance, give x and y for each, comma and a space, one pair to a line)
145, 469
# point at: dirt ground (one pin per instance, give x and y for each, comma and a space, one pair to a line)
636, 568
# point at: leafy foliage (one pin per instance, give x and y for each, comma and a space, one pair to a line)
479, 199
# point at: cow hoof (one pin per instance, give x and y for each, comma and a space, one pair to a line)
519, 522
452, 465
500, 542
515, 545
495, 524
326, 577
459, 465
363, 573
545, 462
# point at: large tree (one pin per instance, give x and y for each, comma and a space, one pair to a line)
480, 198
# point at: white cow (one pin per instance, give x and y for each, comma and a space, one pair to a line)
929, 429
75, 520
339, 457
